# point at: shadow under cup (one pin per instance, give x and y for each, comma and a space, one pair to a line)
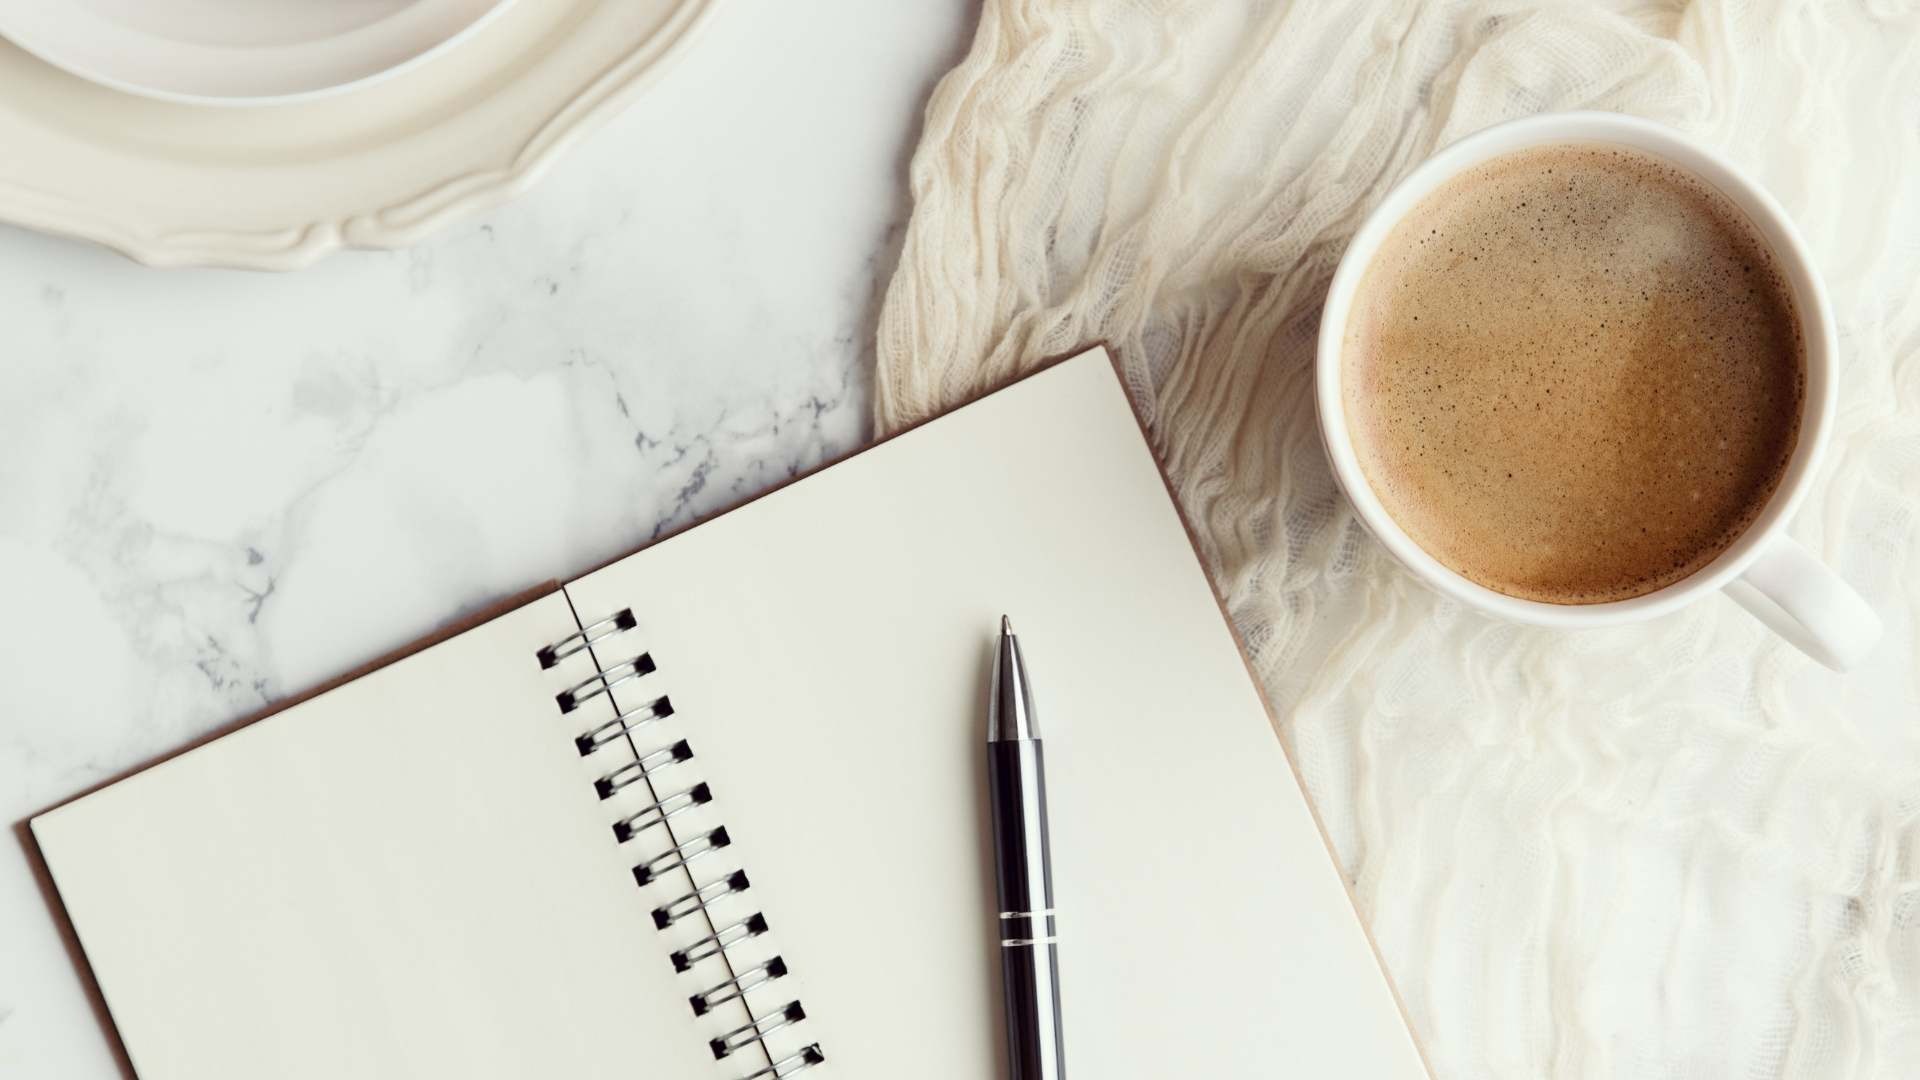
1774, 229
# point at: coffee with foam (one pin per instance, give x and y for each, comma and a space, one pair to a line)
1574, 374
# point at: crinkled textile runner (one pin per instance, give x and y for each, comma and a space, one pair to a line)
1676, 849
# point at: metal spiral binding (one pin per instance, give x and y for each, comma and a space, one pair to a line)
799, 1061
754, 977
624, 724
680, 855
658, 813
674, 910
603, 682
643, 769
757, 1029
718, 942
584, 639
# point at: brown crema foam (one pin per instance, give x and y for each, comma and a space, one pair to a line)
1574, 374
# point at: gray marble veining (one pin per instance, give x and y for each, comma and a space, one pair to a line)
219, 489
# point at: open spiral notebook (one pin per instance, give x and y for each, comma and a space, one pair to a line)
718, 809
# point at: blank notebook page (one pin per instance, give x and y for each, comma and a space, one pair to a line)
408, 876
826, 650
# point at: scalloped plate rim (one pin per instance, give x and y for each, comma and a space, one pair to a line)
39, 49
298, 246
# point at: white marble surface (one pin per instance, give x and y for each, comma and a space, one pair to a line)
218, 489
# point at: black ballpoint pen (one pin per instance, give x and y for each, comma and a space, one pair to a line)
1029, 953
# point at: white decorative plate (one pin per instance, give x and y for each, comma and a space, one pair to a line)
238, 52
275, 187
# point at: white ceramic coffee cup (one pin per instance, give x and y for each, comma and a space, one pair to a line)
1767, 571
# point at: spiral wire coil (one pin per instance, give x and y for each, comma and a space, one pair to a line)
680, 853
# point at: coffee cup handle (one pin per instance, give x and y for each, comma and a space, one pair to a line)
1797, 597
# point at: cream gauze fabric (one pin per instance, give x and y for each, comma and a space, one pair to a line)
1676, 849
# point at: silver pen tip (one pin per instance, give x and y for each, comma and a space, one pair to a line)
1010, 703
